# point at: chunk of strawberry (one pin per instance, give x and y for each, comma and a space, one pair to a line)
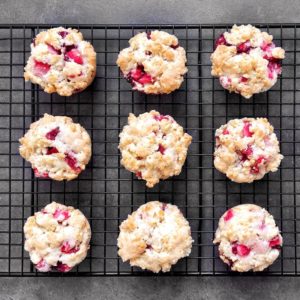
52, 50
72, 162
43, 266
244, 79
244, 47
174, 46
51, 135
240, 250
265, 46
273, 67
51, 150
40, 68
161, 149
74, 55
146, 78
39, 174
149, 35
138, 174
246, 130
246, 153
225, 131
140, 76
63, 267
221, 41
63, 34
137, 73
275, 242
161, 117
67, 249
61, 215
229, 214
255, 166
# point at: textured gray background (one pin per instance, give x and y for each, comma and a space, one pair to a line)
134, 11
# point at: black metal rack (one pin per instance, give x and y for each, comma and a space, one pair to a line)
106, 192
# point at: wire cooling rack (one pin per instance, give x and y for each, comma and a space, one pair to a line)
106, 193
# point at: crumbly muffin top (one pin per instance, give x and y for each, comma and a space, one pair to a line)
153, 146
154, 63
57, 237
248, 238
246, 149
155, 237
56, 147
246, 60
61, 61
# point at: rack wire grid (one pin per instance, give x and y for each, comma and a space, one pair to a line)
105, 192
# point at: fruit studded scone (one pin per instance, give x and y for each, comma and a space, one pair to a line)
154, 63
246, 149
57, 238
61, 61
248, 238
153, 146
155, 237
246, 60
56, 147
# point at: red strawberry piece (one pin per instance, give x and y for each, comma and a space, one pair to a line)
244, 47
161, 117
51, 135
246, 153
67, 249
51, 150
273, 67
63, 34
221, 41
72, 162
39, 174
62, 267
161, 149
229, 214
266, 46
146, 78
74, 55
149, 35
42, 266
246, 130
52, 50
255, 167
225, 81
275, 242
148, 52
244, 79
137, 73
225, 131
75, 75
61, 215
40, 68
174, 46
138, 174
139, 76
240, 250
69, 47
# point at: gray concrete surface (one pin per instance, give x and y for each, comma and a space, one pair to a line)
155, 11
